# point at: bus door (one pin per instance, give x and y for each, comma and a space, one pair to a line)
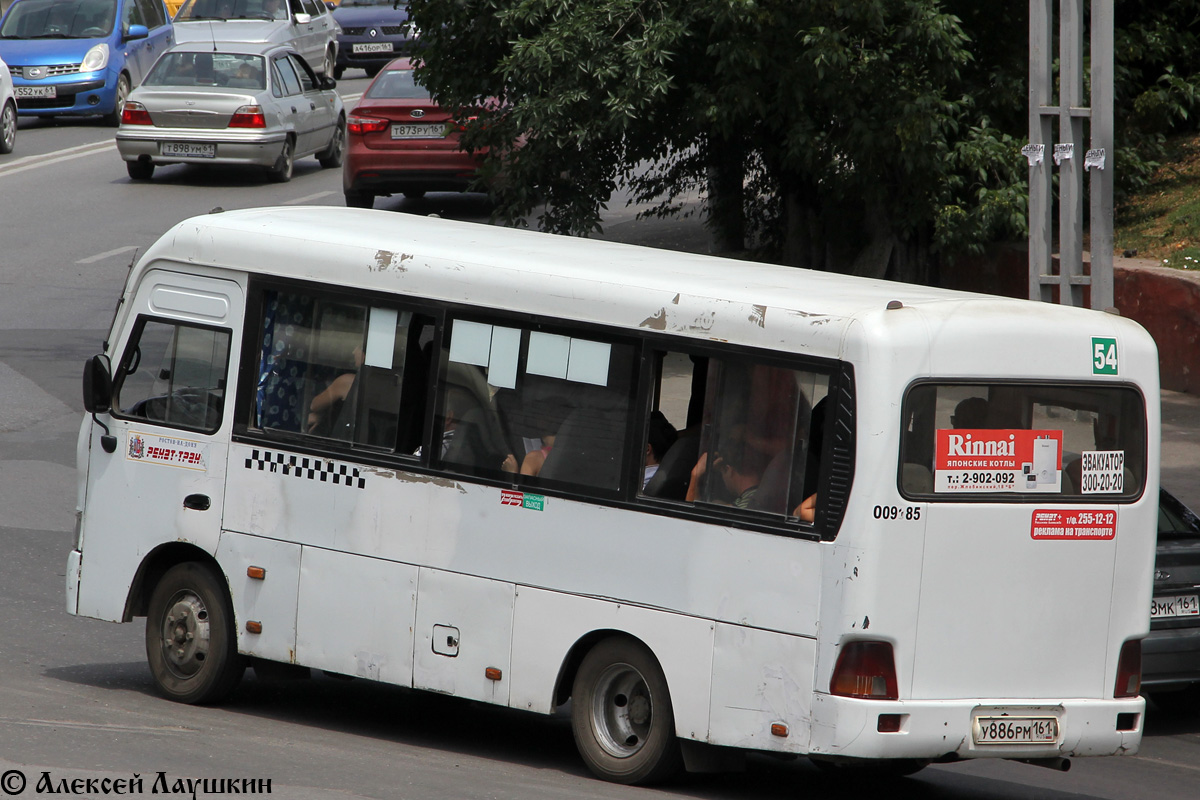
170, 416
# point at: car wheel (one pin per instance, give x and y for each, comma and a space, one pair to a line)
330, 59
621, 714
114, 119
190, 641
372, 71
140, 170
282, 171
338, 72
414, 194
8, 128
331, 156
360, 200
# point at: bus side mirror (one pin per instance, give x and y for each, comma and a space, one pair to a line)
97, 385
97, 396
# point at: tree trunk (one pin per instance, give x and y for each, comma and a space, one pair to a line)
726, 195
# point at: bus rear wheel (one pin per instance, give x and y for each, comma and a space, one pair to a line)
190, 639
621, 714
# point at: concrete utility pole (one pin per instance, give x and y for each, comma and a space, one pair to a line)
1068, 154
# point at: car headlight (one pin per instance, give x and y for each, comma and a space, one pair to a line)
96, 59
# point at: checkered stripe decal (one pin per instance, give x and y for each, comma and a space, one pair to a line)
313, 469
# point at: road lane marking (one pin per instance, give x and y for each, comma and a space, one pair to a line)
297, 201
45, 160
110, 254
98, 726
350, 98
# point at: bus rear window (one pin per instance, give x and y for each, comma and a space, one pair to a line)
1022, 441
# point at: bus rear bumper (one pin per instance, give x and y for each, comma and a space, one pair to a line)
948, 729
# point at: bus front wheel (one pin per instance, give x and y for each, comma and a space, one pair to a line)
190, 639
621, 714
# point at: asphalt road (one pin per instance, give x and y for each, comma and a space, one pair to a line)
76, 697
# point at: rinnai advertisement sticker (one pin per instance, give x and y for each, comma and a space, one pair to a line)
1026, 461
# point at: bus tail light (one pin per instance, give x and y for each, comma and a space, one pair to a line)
1129, 670
867, 670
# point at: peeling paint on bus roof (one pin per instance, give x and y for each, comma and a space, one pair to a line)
385, 260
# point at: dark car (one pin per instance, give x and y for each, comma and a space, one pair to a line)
1171, 653
400, 141
373, 33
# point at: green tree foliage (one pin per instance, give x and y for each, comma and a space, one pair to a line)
853, 135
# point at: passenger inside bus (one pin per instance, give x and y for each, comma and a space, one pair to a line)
660, 435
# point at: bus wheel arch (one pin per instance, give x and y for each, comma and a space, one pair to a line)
153, 567
621, 712
191, 641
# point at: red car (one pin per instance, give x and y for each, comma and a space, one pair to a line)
400, 141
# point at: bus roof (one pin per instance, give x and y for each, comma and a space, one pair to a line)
584, 279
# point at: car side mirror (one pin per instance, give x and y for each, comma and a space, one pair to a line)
302, 19
330, 5
137, 32
327, 82
97, 385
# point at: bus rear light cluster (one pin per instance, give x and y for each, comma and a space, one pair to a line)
1129, 670
866, 670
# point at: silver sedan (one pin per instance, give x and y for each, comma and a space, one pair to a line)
231, 103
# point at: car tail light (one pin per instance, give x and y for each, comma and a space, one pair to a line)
1129, 670
357, 124
135, 113
248, 117
865, 669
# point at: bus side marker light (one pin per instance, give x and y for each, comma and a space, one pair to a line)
492, 674
780, 730
257, 573
253, 627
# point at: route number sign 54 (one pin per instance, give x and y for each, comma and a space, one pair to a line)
1104, 356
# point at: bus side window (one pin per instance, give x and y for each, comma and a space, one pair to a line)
535, 407
174, 374
342, 371
751, 438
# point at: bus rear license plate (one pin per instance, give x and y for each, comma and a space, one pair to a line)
1016, 730
189, 149
1183, 605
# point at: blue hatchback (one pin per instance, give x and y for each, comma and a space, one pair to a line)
75, 57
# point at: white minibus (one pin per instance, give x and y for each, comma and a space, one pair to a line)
719, 506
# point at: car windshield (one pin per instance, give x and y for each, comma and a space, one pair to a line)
392, 3
397, 84
194, 10
1175, 520
60, 19
229, 70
